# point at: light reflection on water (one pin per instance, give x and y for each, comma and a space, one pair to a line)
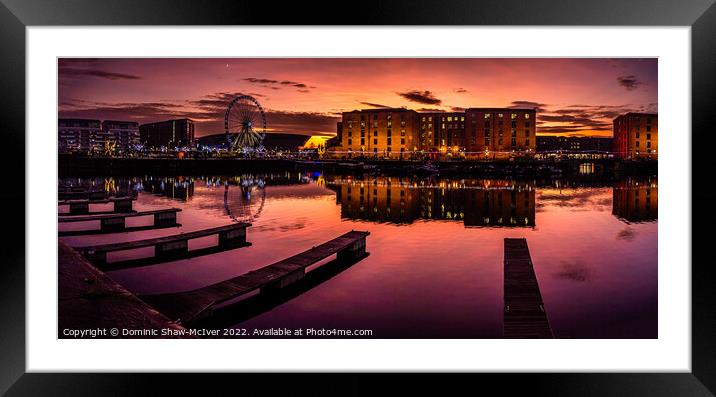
436, 248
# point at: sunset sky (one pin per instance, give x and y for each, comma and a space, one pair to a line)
307, 95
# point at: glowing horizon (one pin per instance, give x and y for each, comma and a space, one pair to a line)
572, 96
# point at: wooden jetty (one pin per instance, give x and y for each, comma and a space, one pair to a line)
524, 313
114, 223
168, 248
197, 304
81, 207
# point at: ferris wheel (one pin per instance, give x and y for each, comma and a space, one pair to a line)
244, 123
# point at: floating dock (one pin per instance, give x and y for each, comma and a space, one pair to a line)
168, 248
81, 207
524, 313
116, 223
194, 305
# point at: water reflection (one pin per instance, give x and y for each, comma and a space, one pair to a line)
474, 202
636, 200
436, 243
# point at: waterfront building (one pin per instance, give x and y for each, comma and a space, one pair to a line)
573, 144
169, 133
124, 134
78, 134
498, 132
405, 133
384, 133
636, 136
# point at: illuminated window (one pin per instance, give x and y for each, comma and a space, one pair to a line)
487, 115
500, 115
527, 115
513, 116
390, 117
449, 118
402, 132
462, 118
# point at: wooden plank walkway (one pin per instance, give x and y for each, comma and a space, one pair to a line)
114, 223
193, 305
524, 313
168, 248
81, 207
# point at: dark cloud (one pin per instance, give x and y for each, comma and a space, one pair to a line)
539, 107
425, 97
374, 105
431, 110
629, 82
461, 90
457, 109
104, 74
276, 84
581, 117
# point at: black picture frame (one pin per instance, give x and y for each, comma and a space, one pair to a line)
16, 15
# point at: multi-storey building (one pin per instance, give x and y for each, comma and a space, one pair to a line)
124, 134
170, 133
380, 132
474, 133
499, 132
78, 134
636, 136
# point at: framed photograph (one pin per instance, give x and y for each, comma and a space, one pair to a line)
470, 191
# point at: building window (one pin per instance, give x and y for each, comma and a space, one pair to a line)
402, 141
513, 116
514, 124
389, 150
514, 142
389, 132
637, 135
648, 136
487, 115
637, 143
402, 123
648, 128
449, 118
402, 132
648, 144
350, 141
500, 115
527, 124
390, 141
375, 141
390, 116
527, 115
527, 141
